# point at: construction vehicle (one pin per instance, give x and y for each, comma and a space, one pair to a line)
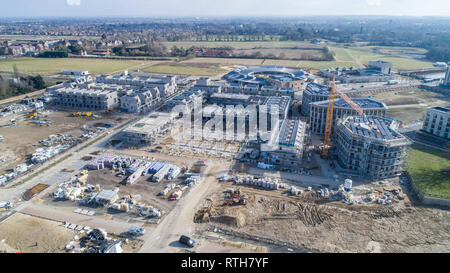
235, 198
82, 114
334, 90
31, 115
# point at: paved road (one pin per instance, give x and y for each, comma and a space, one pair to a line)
180, 220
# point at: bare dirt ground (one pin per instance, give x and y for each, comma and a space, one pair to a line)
24, 233
313, 223
146, 188
223, 247
18, 140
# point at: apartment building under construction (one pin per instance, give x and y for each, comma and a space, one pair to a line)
371, 146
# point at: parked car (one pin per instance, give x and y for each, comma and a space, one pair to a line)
187, 241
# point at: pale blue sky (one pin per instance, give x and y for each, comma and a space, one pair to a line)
151, 8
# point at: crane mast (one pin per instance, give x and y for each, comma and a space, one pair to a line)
326, 140
329, 124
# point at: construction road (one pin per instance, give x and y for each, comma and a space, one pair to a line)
179, 221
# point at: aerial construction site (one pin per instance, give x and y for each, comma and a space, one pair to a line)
183, 143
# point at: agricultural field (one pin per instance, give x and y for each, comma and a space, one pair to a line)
429, 169
241, 44
289, 53
407, 52
354, 56
51, 66
398, 62
416, 101
186, 68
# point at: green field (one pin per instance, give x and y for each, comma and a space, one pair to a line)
397, 62
425, 165
344, 57
196, 69
241, 45
50, 66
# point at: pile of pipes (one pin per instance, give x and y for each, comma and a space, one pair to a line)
266, 182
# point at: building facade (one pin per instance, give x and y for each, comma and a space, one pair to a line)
285, 147
371, 147
437, 122
319, 110
311, 93
88, 99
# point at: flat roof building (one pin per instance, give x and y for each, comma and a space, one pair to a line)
319, 110
377, 71
437, 122
264, 103
285, 147
371, 146
167, 85
311, 93
89, 99
266, 80
143, 131
447, 77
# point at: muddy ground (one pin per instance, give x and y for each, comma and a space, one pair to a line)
313, 223
18, 140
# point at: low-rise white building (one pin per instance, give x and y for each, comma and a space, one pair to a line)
144, 131
437, 122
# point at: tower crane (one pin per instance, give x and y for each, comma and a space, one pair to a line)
333, 91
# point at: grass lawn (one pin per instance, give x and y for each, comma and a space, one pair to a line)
50, 66
241, 44
196, 69
425, 166
397, 62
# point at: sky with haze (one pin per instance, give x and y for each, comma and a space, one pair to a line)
210, 8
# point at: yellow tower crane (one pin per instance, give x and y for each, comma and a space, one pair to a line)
329, 124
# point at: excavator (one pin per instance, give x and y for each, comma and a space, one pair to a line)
235, 199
